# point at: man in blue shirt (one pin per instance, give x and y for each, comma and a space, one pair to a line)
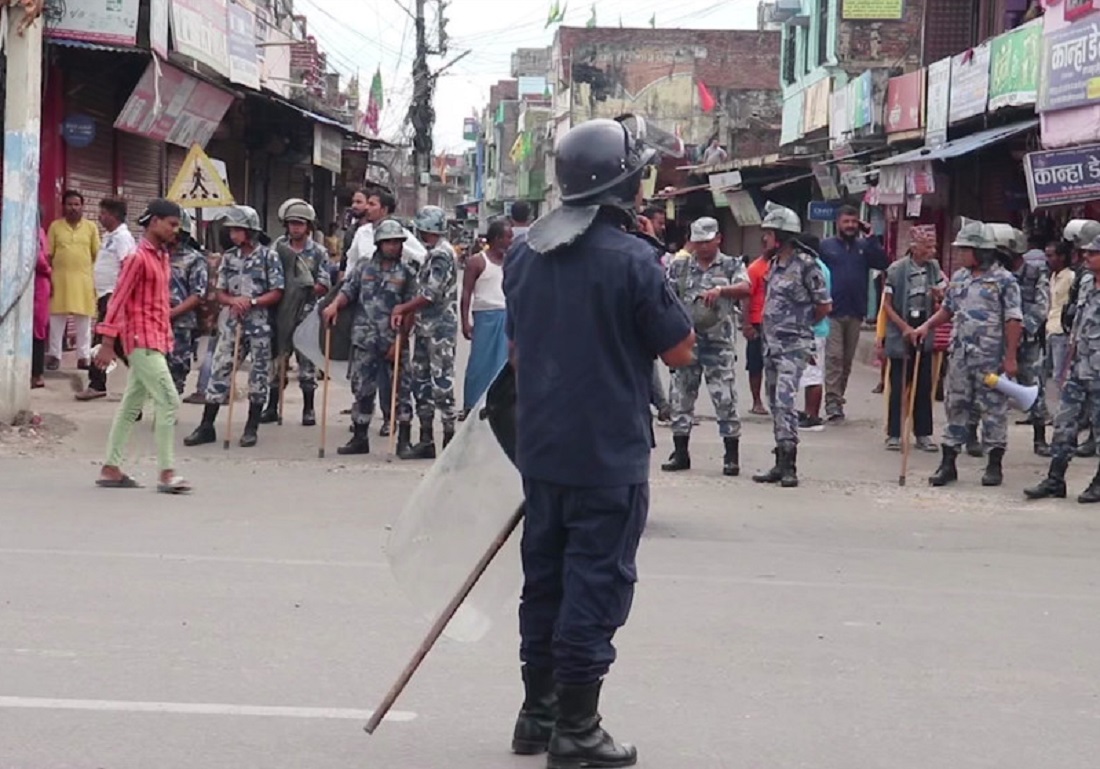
588, 312
850, 258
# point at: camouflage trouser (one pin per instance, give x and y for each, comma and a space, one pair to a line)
307, 373
1080, 398
433, 372
364, 371
716, 364
783, 378
256, 345
964, 393
179, 360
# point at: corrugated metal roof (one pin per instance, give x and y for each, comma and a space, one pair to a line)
95, 46
959, 147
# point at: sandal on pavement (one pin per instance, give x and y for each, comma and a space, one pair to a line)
178, 485
125, 482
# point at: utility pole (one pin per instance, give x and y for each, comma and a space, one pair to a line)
19, 220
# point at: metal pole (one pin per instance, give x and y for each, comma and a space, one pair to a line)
19, 221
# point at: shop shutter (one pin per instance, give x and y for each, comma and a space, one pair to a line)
139, 160
176, 156
89, 170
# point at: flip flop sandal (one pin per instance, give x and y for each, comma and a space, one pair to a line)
178, 485
125, 482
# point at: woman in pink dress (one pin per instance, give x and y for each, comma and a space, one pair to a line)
42, 289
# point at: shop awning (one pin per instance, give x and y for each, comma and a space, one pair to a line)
112, 47
959, 147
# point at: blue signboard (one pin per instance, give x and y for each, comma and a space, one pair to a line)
1071, 66
1057, 177
78, 130
823, 210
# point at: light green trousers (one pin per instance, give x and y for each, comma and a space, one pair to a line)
150, 379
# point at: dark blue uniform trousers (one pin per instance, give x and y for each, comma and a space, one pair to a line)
578, 550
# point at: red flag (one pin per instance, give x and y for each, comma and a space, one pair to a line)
374, 102
706, 100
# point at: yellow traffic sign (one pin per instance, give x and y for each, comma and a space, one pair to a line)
198, 184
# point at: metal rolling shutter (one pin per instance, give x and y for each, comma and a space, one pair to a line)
89, 170
139, 160
176, 156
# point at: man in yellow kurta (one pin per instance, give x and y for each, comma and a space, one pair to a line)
74, 243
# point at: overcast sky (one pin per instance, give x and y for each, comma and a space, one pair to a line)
355, 39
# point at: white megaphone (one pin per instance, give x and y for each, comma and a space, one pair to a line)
1022, 397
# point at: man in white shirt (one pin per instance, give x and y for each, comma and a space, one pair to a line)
380, 205
1058, 257
117, 244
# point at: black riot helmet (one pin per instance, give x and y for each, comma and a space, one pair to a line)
600, 163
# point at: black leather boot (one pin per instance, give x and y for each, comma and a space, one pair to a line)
359, 443
973, 445
1040, 445
994, 473
205, 432
536, 719
384, 428
679, 459
578, 740
1091, 495
309, 418
775, 475
448, 434
404, 438
788, 465
270, 414
249, 437
1054, 485
947, 472
731, 462
425, 449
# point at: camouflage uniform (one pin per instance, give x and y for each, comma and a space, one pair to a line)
433, 364
189, 278
1034, 280
1082, 387
250, 276
374, 288
980, 305
794, 291
715, 355
311, 261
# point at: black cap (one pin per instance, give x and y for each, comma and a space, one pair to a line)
159, 207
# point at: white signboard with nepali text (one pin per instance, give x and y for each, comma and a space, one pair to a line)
107, 22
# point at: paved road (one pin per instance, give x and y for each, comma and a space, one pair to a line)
846, 624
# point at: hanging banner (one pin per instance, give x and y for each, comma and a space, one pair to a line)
107, 22
188, 111
1071, 67
969, 83
816, 113
905, 102
1014, 66
244, 63
743, 208
1059, 177
939, 102
861, 102
873, 10
158, 27
198, 31
328, 146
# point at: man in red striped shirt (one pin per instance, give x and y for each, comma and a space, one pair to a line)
138, 319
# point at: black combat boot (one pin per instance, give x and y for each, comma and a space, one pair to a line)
359, 442
731, 462
249, 437
536, 719
270, 414
775, 475
309, 418
448, 434
788, 465
404, 438
1054, 485
679, 459
578, 740
994, 474
947, 472
205, 432
1091, 495
384, 429
1088, 448
425, 449
1040, 445
973, 445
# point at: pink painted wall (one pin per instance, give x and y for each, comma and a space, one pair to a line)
1070, 126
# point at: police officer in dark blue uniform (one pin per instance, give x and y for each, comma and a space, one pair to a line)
588, 312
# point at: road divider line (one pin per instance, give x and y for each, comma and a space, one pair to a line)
198, 709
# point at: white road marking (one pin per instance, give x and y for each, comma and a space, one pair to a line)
198, 709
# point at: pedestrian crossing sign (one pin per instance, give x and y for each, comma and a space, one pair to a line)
198, 184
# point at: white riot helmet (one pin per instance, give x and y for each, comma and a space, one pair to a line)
244, 217
1081, 231
781, 218
296, 209
976, 235
1093, 245
1008, 238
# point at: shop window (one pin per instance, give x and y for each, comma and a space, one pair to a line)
789, 53
823, 14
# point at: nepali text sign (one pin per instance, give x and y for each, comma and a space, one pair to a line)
244, 63
939, 102
1014, 67
179, 109
861, 101
328, 145
198, 30
1071, 67
969, 83
874, 10
1058, 177
905, 102
107, 22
